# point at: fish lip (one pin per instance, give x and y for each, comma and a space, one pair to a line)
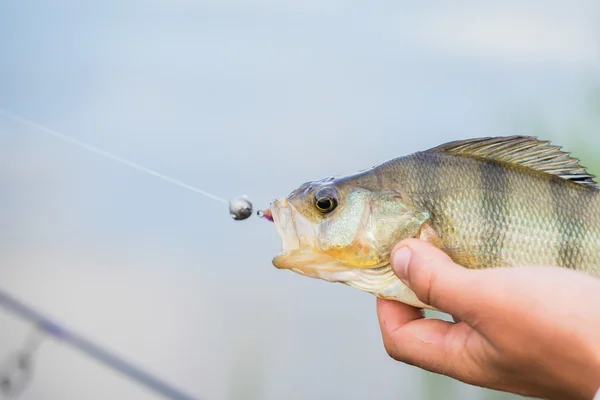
284, 221
309, 264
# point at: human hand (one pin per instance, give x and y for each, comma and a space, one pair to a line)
533, 331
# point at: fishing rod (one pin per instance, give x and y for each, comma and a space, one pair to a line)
59, 332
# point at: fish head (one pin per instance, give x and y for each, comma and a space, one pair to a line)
339, 229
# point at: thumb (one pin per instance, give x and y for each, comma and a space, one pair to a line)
433, 276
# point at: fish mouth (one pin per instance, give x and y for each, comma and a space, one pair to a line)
301, 255
299, 251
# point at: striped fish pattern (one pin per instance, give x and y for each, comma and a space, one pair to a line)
500, 202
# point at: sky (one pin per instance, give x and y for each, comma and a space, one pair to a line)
242, 97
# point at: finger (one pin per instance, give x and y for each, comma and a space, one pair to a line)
393, 315
430, 344
434, 277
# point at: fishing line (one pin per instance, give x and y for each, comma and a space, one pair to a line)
90, 148
240, 208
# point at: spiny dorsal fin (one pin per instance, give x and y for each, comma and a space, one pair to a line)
527, 151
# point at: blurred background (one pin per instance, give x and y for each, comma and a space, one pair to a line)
250, 97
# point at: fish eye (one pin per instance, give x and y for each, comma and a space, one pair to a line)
325, 202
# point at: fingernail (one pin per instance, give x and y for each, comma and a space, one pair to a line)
400, 261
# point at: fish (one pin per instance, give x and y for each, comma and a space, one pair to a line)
488, 202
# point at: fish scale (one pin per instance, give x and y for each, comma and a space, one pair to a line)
552, 221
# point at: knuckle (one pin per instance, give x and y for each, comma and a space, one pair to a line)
391, 349
390, 352
395, 350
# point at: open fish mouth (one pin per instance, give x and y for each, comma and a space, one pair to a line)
299, 251
300, 254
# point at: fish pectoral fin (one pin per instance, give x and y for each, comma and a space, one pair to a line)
428, 234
